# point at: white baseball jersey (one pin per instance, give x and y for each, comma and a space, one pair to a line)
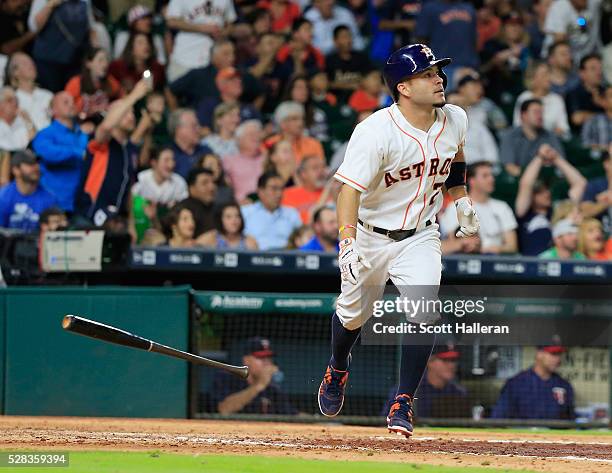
400, 169
193, 49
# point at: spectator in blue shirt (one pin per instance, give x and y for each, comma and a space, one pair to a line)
538, 392
325, 226
266, 220
185, 132
61, 148
440, 20
23, 200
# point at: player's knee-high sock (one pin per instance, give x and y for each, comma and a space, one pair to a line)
413, 364
342, 342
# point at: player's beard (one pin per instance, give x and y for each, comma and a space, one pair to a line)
440, 103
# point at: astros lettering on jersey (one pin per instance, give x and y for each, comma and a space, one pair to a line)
400, 169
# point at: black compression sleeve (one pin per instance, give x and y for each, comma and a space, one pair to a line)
456, 175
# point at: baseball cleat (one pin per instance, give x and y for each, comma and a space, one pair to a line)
399, 420
331, 391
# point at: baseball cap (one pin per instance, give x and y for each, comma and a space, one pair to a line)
554, 347
446, 351
228, 73
23, 157
137, 12
258, 347
564, 227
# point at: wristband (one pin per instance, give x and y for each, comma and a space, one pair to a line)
345, 227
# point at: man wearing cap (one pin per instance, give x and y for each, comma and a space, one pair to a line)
438, 394
260, 393
565, 238
23, 200
438, 385
538, 392
229, 83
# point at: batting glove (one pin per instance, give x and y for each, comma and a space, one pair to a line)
349, 260
467, 218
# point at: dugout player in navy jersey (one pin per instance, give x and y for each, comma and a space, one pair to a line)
439, 395
260, 393
538, 392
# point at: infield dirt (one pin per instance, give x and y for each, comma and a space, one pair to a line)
549, 451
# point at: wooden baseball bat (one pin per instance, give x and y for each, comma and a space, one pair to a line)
107, 333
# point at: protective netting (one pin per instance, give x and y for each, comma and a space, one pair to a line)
463, 382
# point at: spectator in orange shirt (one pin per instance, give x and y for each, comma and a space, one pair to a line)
299, 56
282, 14
591, 241
311, 175
289, 117
370, 95
94, 89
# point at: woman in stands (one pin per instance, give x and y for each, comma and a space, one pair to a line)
138, 56
281, 160
591, 241
315, 120
179, 226
229, 233
94, 89
226, 119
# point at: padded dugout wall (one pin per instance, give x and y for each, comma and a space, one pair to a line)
48, 371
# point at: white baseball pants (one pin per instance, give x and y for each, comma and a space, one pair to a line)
411, 262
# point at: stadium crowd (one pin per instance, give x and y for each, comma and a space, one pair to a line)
219, 124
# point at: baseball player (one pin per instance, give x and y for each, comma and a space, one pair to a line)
397, 164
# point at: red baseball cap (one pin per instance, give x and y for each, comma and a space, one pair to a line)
258, 347
446, 351
554, 347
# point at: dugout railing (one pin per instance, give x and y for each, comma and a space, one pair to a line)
298, 327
